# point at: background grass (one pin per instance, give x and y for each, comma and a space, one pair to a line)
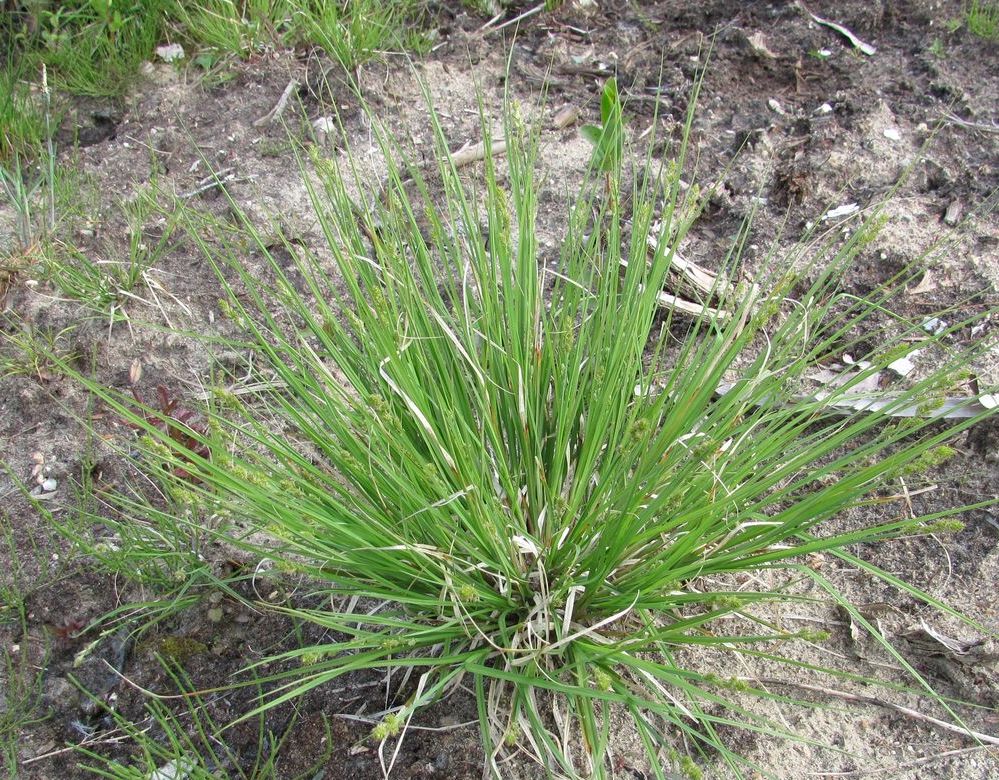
95, 47
982, 18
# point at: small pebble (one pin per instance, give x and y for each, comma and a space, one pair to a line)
846, 210
903, 366
567, 116
935, 325
42, 491
325, 124
171, 52
953, 213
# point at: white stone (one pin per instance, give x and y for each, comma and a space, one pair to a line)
171, 52
325, 124
841, 211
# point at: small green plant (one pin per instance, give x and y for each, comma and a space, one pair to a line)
937, 49
238, 28
982, 18
20, 191
354, 32
22, 127
351, 32
190, 742
21, 187
167, 548
108, 285
27, 563
21, 690
36, 352
94, 47
608, 138
556, 504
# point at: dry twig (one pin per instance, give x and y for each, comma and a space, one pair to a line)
985, 128
470, 153
857, 698
898, 768
491, 25
866, 48
278, 110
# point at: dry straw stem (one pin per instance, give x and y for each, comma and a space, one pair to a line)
978, 736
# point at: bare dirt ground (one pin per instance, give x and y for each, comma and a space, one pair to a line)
792, 119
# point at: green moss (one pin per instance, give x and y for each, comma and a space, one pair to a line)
179, 648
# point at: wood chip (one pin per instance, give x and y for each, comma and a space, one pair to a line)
926, 284
953, 213
278, 110
703, 281
847, 210
470, 153
759, 46
933, 642
566, 117
953, 408
669, 301
135, 372
866, 48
